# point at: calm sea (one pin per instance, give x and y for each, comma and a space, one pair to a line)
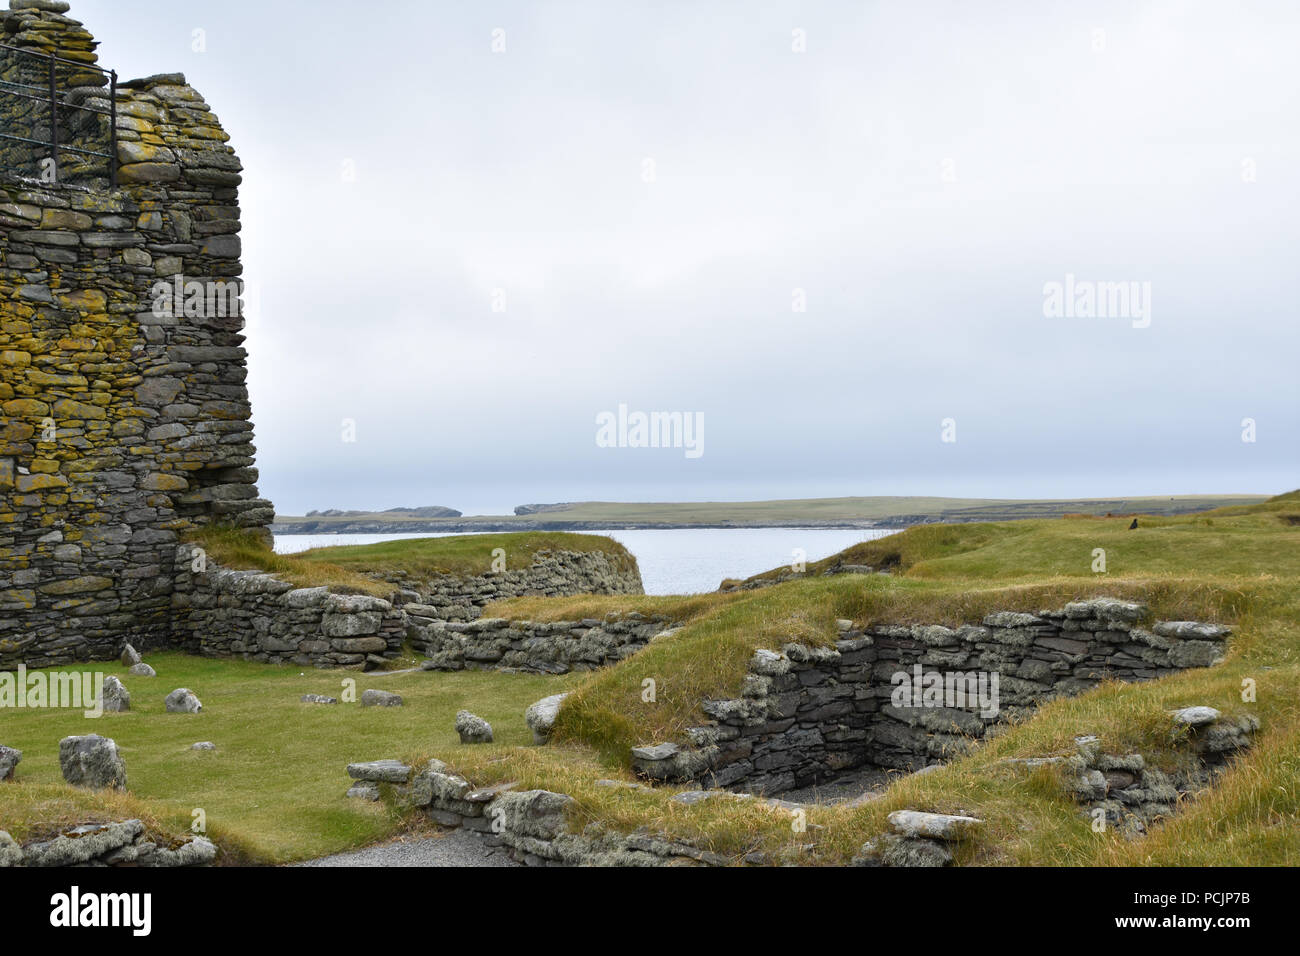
672, 562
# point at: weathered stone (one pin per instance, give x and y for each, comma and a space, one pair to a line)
92, 761
380, 698
473, 729
363, 790
380, 771
183, 701
81, 845
540, 717
116, 698
9, 758
938, 826
351, 625
1195, 716
11, 854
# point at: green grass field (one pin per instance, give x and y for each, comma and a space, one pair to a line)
274, 792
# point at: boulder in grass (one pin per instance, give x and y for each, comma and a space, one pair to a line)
363, 790
380, 698
936, 826
142, 670
116, 698
473, 729
540, 717
9, 758
183, 701
380, 771
1195, 716
92, 761
11, 854
130, 656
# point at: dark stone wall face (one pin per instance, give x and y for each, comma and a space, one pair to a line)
124, 415
808, 714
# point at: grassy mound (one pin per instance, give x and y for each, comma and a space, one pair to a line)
346, 568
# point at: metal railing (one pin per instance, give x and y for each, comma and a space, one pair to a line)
50, 113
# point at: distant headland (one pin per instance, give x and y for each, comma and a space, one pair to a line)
828, 513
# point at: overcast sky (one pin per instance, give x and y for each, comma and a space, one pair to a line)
471, 253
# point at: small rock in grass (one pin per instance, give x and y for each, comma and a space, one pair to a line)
363, 790
183, 701
1195, 716
692, 797
318, 699
11, 854
540, 717
9, 758
380, 771
116, 698
937, 826
204, 745
380, 698
472, 729
130, 656
142, 670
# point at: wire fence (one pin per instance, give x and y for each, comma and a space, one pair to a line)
58, 118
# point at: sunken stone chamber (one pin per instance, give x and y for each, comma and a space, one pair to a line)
809, 714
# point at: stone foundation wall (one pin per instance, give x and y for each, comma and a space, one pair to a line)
258, 617
106, 844
552, 574
534, 824
808, 714
550, 648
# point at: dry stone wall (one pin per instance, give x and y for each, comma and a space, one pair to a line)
106, 844
904, 697
218, 612
537, 826
449, 597
256, 616
544, 648
125, 416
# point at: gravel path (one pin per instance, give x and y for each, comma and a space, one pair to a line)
457, 848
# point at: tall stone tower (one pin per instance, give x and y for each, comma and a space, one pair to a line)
124, 416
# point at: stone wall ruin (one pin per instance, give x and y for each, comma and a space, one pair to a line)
124, 416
